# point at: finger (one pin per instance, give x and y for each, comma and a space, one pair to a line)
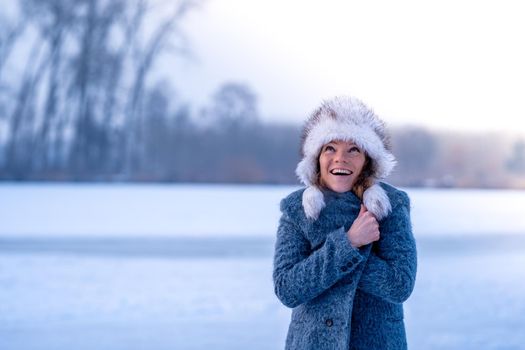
362, 210
369, 215
372, 216
374, 235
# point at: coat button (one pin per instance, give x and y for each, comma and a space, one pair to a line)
355, 260
344, 268
329, 322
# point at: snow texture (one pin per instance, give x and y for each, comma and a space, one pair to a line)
138, 267
176, 210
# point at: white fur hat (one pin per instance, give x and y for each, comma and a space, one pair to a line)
345, 119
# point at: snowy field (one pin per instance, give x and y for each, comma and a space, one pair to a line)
189, 267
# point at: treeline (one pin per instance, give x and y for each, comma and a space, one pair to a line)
76, 89
81, 104
457, 159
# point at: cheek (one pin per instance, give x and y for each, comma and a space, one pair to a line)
322, 162
359, 164
322, 168
323, 165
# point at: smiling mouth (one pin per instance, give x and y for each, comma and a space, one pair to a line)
341, 172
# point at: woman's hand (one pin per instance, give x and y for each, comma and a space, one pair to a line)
364, 230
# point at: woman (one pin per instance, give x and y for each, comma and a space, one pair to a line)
345, 257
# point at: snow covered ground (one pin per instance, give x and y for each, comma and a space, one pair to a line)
189, 267
219, 210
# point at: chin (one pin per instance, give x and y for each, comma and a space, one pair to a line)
340, 188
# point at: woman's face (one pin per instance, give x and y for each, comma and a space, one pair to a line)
340, 164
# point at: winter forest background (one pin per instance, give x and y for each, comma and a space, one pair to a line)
81, 100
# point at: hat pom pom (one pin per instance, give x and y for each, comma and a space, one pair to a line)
377, 202
313, 202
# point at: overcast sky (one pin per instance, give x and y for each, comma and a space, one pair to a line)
446, 64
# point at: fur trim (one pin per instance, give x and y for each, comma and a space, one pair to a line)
377, 202
346, 119
307, 170
313, 202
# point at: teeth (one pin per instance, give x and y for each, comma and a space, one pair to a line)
341, 171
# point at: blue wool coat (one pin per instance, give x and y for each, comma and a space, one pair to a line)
343, 297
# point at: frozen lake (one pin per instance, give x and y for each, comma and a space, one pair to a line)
189, 267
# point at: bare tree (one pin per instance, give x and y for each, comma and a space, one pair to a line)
53, 20
21, 121
144, 57
233, 107
9, 34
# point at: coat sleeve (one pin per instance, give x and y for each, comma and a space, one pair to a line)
299, 274
390, 270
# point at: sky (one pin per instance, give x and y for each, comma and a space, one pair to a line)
448, 65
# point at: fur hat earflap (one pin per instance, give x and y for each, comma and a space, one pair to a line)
345, 119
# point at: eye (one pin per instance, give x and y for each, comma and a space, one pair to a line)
329, 148
354, 150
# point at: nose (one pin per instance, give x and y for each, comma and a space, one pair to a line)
340, 157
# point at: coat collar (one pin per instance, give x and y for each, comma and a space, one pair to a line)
348, 196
